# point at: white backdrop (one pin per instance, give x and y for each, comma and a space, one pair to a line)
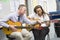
5, 8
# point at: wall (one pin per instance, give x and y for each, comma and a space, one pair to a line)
5, 8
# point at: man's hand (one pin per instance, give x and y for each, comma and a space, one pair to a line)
12, 28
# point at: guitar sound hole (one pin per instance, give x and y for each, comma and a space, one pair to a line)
8, 29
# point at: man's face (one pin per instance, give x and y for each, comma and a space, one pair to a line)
22, 10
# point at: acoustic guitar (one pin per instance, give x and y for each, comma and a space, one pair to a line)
19, 27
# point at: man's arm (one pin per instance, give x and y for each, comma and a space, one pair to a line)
4, 20
26, 20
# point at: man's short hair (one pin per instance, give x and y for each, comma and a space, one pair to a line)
22, 5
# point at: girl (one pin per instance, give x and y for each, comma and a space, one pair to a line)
44, 21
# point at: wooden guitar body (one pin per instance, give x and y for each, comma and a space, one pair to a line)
8, 30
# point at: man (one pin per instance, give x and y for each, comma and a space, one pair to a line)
18, 16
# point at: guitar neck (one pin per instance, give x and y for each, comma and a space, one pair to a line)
23, 27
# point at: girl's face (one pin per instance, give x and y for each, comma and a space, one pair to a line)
39, 11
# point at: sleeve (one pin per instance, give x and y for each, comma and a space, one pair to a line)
47, 17
4, 20
26, 20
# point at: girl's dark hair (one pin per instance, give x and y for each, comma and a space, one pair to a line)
38, 6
